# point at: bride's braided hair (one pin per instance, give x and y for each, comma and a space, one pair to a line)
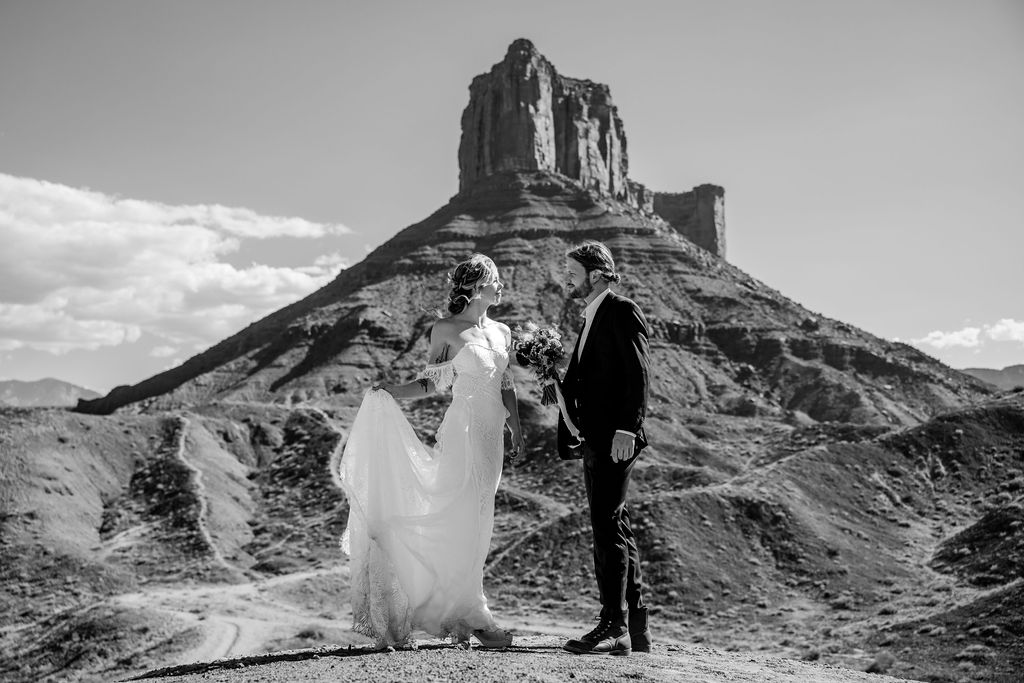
593, 255
477, 269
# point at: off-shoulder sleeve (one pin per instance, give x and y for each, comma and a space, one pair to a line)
441, 374
507, 381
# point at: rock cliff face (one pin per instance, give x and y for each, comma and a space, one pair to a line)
524, 116
509, 123
698, 215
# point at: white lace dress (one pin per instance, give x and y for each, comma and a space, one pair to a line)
421, 518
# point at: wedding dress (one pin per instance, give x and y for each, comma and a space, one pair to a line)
421, 518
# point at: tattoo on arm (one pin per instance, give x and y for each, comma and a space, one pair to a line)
425, 383
443, 356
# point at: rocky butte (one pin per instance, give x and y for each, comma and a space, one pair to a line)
543, 163
525, 116
811, 491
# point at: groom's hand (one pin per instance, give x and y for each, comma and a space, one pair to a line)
622, 446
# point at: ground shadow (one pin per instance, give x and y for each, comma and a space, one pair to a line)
316, 653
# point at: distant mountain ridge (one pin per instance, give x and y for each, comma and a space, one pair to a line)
42, 392
1007, 378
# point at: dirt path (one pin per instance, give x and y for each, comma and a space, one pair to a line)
225, 631
204, 506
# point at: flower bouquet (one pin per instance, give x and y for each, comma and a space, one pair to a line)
540, 348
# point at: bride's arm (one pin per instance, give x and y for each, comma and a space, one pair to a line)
423, 386
417, 388
511, 401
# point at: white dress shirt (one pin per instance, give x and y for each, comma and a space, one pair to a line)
589, 312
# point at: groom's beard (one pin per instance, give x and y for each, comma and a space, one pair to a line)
581, 292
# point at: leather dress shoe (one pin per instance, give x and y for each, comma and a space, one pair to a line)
609, 637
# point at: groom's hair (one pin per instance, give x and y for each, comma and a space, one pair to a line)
593, 255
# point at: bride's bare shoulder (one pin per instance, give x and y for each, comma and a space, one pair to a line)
444, 331
504, 329
442, 325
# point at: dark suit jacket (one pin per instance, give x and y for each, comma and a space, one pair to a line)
607, 388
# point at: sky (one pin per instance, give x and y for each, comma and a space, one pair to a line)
173, 171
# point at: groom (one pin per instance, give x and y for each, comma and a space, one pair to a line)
605, 390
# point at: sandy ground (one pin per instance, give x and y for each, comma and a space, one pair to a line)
234, 647
240, 623
531, 658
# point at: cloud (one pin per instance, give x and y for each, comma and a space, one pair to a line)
163, 351
49, 328
1004, 330
969, 337
80, 269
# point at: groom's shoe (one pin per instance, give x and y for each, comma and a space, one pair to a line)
609, 637
639, 630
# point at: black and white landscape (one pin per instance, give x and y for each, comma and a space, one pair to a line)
819, 502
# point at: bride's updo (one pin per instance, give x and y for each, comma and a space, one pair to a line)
476, 270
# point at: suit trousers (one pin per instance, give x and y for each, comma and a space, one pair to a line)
616, 558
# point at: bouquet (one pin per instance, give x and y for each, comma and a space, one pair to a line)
540, 348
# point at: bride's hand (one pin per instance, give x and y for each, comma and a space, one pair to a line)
518, 446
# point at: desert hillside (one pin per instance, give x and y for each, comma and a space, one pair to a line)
215, 535
816, 502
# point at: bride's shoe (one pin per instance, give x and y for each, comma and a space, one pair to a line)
495, 639
384, 645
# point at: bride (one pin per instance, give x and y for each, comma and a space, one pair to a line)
421, 518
